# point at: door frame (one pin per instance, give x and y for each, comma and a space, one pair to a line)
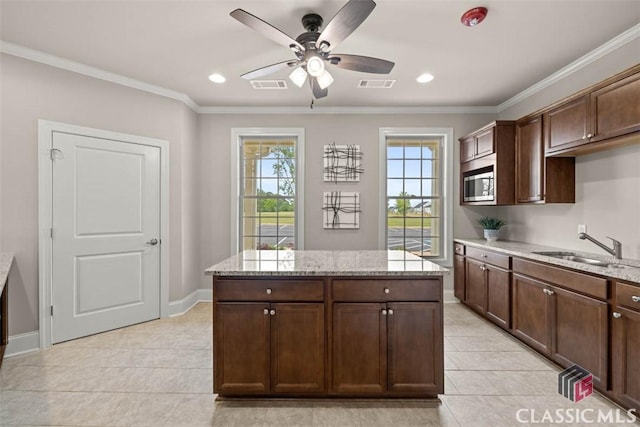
46, 129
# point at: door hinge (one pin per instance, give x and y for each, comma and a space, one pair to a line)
51, 310
51, 232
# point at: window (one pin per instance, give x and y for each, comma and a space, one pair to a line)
268, 204
415, 186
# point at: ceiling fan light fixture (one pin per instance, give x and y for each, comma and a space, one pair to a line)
324, 79
217, 78
298, 76
425, 78
315, 66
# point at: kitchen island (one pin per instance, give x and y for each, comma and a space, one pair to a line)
327, 324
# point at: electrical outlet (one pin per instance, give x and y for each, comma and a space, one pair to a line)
582, 228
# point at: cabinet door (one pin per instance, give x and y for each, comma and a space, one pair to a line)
458, 277
529, 161
241, 345
359, 348
625, 357
579, 333
475, 289
484, 143
297, 348
415, 348
498, 285
615, 108
530, 314
567, 125
467, 149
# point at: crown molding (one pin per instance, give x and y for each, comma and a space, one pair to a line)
55, 61
77, 67
605, 49
348, 110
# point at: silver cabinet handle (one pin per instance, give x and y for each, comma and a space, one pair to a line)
635, 298
584, 136
384, 312
390, 312
545, 290
483, 267
550, 292
152, 242
266, 311
386, 290
268, 291
589, 135
616, 315
272, 312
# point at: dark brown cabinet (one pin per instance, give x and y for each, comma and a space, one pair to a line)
541, 179
490, 149
569, 327
487, 285
264, 345
389, 345
595, 118
459, 277
625, 344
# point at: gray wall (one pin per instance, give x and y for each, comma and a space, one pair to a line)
32, 91
320, 129
607, 183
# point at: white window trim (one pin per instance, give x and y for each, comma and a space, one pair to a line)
236, 137
447, 189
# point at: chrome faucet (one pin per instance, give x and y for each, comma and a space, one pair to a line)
617, 246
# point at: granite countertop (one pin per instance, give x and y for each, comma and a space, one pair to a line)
325, 263
6, 259
526, 250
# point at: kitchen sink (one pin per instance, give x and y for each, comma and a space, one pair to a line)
572, 256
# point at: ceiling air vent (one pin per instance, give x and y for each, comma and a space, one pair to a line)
269, 84
376, 84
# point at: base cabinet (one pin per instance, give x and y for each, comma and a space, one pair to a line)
625, 345
487, 285
269, 348
531, 313
388, 348
459, 277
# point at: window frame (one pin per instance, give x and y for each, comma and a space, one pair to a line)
447, 196
237, 135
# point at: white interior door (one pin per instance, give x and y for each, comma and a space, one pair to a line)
106, 235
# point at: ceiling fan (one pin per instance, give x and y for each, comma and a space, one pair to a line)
313, 48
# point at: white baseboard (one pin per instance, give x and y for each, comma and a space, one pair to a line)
22, 343
177, 308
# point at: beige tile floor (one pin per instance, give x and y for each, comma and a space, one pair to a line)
159, 374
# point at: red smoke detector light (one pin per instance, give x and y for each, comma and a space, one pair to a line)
473, 17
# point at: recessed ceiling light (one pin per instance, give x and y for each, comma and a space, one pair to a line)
217, 78
424, 78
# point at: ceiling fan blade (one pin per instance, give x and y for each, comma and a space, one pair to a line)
269, 69
365, 64
345, 22
317, 91
264, 28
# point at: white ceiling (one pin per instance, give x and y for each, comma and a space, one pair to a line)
177, 44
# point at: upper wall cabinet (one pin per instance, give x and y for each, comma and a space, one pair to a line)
489, 153
597, 118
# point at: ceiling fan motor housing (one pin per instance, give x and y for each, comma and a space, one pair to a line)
312, 22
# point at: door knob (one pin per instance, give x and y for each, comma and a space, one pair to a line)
635, 298
617, 315
152, 242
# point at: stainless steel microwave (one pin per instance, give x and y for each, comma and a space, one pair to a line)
479, 187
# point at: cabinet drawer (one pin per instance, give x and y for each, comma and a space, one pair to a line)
387, 290
628, 296
268, 290
589, 285
489, 257
458, 248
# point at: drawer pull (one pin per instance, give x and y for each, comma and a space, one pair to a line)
386, 290
272, 312
616, 315
390, 312
483, 267
384, 312
269, 291
266, 311
635, 298
548, 291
